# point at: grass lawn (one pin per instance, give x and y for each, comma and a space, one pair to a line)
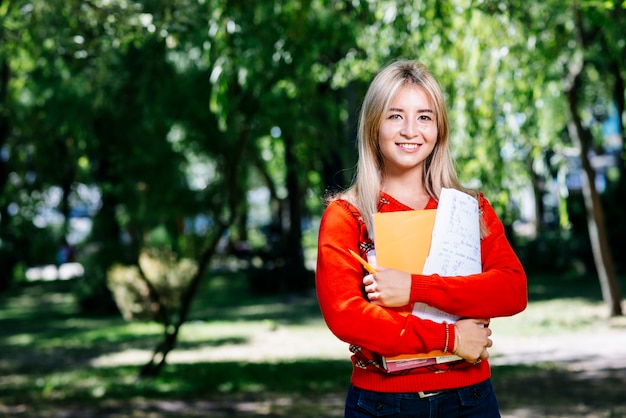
246, 356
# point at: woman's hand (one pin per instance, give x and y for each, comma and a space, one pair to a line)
388, 287
472, 339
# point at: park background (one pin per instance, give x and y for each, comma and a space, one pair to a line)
163, 167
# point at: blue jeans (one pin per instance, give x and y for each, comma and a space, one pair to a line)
476, 401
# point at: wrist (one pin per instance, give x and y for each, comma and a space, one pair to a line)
456, 337
447, 337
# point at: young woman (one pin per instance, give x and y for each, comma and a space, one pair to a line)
404, 162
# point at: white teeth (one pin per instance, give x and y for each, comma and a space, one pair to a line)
408, 146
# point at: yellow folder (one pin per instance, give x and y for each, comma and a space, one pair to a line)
402, 239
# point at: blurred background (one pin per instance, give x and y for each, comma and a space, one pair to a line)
149, 149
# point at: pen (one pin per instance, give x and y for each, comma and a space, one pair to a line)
365, 264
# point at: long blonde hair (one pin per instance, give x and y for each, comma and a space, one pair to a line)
439, 167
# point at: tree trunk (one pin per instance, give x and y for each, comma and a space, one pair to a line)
8, 258
234, 198
170, 336
581, 137
294, 253
538, 190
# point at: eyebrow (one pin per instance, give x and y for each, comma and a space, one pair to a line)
396, 109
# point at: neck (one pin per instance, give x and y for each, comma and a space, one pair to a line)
407, 189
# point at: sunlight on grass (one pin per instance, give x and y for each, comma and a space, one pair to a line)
20, 339
199, 331
555, 316
247, 341
77, 333
123, 331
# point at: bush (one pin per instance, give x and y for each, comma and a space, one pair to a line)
160, 270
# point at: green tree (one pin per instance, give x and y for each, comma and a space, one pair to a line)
584, 50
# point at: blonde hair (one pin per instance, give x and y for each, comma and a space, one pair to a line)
439, 167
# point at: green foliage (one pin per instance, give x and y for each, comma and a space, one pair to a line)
556, 252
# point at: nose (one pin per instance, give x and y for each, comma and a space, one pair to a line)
409, 129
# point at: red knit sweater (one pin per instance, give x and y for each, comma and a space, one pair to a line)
373, 331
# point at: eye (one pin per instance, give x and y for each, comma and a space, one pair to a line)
394, 116
425, 117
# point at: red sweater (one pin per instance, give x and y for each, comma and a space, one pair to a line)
374, 331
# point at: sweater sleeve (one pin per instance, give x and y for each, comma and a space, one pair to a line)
500, 290
348, 314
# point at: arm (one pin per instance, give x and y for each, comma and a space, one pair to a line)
348, 314
500, 290
475, 332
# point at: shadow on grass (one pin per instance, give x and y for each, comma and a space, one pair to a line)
304, 388
183, 381
553, 390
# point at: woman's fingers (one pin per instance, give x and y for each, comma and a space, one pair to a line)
473, 339
370, 283
370, 288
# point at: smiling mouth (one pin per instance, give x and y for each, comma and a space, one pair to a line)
409, 146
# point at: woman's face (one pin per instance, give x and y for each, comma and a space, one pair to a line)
408, 132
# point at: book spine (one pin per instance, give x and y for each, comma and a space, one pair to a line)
398, 365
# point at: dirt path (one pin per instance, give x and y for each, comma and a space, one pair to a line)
589, 352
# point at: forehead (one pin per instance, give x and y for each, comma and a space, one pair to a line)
410, 95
